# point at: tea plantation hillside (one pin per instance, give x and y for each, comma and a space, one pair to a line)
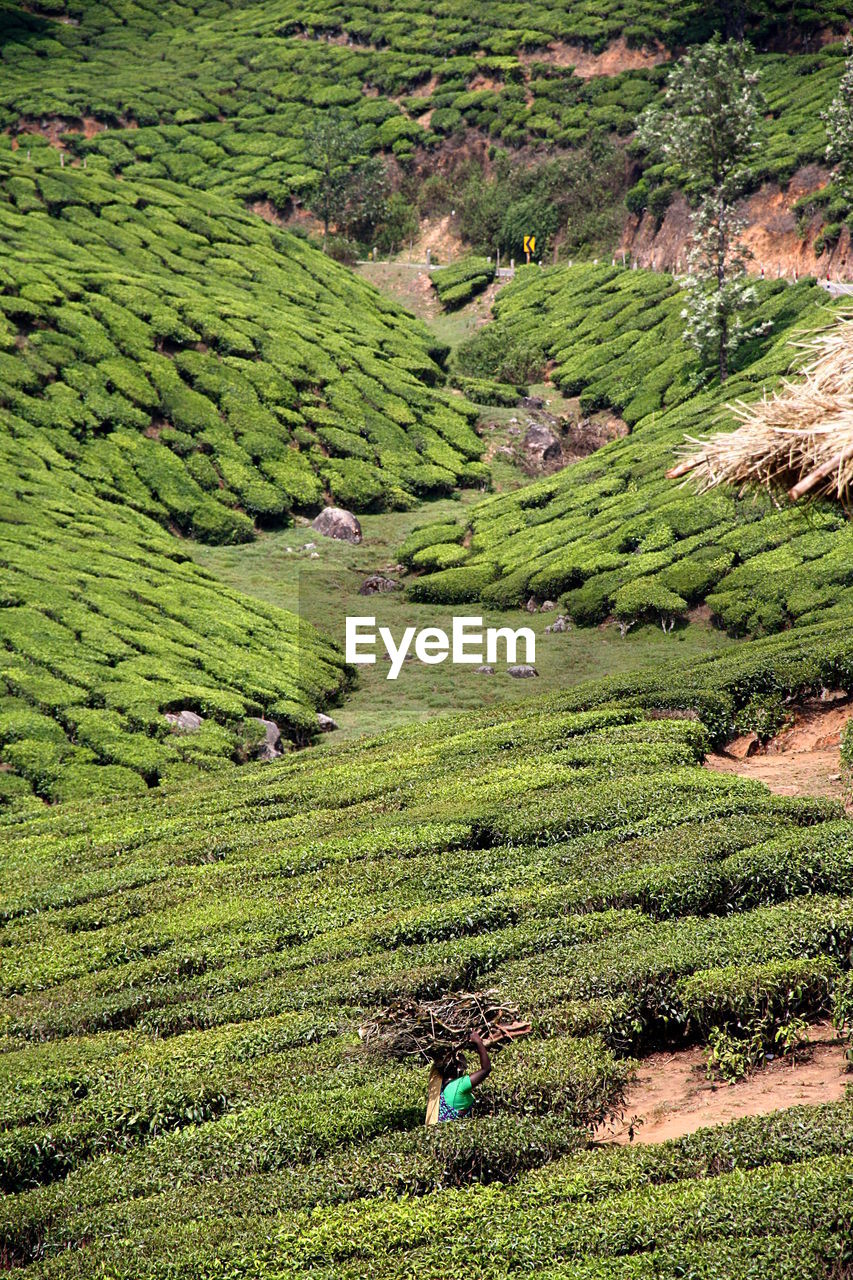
612, 534
106, 624
194, 360
183, 981
166, 357
223, 94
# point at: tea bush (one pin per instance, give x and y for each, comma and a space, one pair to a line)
254, 386
458, 284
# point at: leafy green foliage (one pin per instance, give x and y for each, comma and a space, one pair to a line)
612, 527
190, 404
183, 982
458, 284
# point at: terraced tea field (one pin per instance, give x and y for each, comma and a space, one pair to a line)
183, 981
219, 97
190, 939
612, 535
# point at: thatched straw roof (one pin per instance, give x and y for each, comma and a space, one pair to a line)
798, 440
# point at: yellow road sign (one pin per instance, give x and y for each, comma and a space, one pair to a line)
529, 244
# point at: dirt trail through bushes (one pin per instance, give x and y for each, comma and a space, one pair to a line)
803, 760
672, 1095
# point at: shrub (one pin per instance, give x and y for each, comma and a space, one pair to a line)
452, 586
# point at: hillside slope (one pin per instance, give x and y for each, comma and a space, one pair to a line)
183, 981
611, 533
220, 97
166, 357
194, 360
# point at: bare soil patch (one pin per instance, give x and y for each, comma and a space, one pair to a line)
441, 237
803, 760
616, 58
671, 1095
266, 209
771, 233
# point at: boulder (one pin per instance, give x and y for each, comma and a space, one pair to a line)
484, 671
325, 723
541, 444
184, 721
268, 747
532, 606
560, 623
378, 584
335, 522
547, 606
743, 747
532, 402
522, 672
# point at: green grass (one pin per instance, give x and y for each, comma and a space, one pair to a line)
324, 591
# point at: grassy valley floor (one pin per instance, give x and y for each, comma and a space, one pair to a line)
325, 591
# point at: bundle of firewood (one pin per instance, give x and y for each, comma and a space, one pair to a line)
436, 1030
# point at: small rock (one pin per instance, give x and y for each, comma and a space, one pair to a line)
309, 546
513, 431
522, 672
547, 606
268, 747
289, 550
335, 522
541, 443
378, 584
505, 451
315, 555
184, 721
532, 606
532, 402
560, 623
325, 723
484, 671
742, 748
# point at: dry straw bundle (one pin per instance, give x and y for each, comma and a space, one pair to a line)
437, 1030
800, 439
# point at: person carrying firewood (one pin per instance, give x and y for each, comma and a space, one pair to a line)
457, 1086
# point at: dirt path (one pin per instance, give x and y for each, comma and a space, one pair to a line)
671, 1095
803, 760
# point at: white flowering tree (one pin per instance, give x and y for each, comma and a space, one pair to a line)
838, 120
707, 126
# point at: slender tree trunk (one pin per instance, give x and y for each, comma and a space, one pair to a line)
721, 284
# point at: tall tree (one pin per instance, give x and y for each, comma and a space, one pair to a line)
838, 120
708, 126
350, 187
